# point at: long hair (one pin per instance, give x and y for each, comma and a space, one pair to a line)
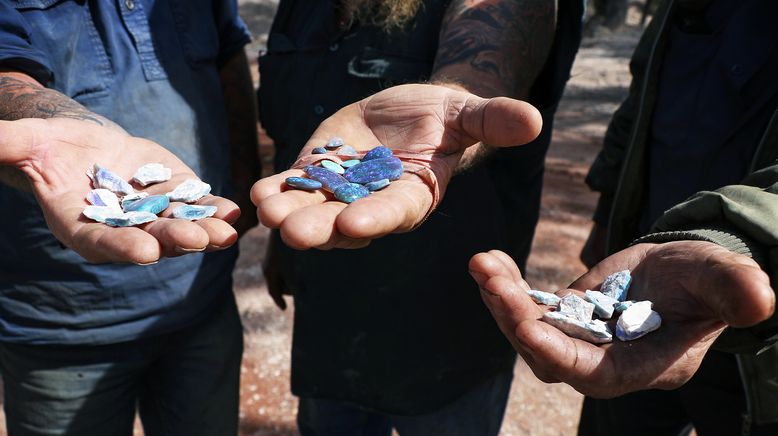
386, 14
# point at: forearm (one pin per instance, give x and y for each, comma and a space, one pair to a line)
494, 49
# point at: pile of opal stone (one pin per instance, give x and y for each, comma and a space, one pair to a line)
353, 178
114, 201
585, 318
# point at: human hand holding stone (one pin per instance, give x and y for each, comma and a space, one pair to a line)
697, 287
435, 123
55, 154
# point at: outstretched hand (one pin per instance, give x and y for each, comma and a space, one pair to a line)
55, 155
697, 287
435, 121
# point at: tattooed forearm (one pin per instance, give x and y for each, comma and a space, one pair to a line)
23, 99
495, 47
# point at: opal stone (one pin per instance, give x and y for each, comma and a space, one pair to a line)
103, 197
603, 304
616, 285
127, 200
596, 332
152, 173
103, 178
576, 307
303, 183
351, 192
371, 171
101, 213
350, 163
377, 153
637, 321
193, 212
128, 219
333, 166
334, 143
330, 181
347, 150
377, 185
546, 298
152, 204
319, 150
190, 191
621, 306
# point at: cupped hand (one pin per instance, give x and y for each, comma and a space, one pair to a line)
697, 287
437, 122
55, 155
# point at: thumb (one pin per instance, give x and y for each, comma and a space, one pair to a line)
499, 121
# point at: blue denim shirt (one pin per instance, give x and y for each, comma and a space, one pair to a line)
153, 68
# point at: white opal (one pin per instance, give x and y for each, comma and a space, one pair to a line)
637, 321
152, 173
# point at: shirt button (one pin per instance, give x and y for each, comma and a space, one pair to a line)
130, 4
736, 69
334, 47
318, 109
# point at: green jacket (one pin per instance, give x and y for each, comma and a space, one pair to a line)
741, 218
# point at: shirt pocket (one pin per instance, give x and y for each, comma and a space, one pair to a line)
196, 30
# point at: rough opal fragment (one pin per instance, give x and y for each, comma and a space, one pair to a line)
377, 185
347, 150
153, 204
576, 307
190, 191
377, 153
350, 163
101, 213
637, 321
103, 178
621, 306
193, 212
371, 171
334, 143
103, 197
546, 298
152, 173
303, 183
329, 180
616, 285
603, 304
319, 150
596, 331
127, 200
128, 219
333, 166
351, 192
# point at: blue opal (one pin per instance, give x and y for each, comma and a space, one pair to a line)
347, 150
152, 204
334, 143
303, 183
371, 171
329, 180
350, 163
603, 304
333, 166
546, 298
131, 219
319, 150
378, 153
377, 185
616, 285
621, 306
351, 192
193, 212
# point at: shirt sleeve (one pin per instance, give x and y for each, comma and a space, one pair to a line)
16, 49
233, 33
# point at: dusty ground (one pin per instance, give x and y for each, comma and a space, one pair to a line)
599, 82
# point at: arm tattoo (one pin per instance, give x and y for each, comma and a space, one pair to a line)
495, 47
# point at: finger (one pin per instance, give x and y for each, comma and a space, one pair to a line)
510, 266
495, 263
499, 121
272, 185
177, 236
219, 232
221, 235
226, 209
99, 243
397, 208
314, 227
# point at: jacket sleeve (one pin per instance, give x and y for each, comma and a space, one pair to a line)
741, 218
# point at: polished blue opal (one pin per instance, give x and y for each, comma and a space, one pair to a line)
303, 183
329, 180
378, 153
319, 150
333, 166
371, 171
152, 204
334, 143
377, 185
350, 163
193, 212
347, 150
351, 192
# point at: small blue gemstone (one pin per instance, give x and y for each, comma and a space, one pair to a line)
152, 204
350, 163
374, 170
351, 192
347, 150
329, 180
319, 150
334, 143
193, 212
333, 166
377, 185
303, 183
378, 153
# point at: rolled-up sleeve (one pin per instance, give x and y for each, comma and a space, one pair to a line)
233, 33
16, 49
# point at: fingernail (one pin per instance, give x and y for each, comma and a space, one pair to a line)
188, 250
